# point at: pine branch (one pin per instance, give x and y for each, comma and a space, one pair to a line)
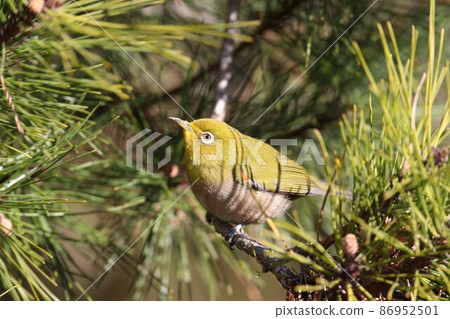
24, 17
285, 276
271, 21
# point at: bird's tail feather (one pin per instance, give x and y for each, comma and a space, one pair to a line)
321, 188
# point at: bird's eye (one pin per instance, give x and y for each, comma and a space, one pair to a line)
207, 137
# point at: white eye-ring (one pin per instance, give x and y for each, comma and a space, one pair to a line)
207, 137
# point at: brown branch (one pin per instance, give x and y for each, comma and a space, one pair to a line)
11, 105
286, 277
226, 62
6, 225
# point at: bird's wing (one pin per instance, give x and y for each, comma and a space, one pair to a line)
290, 179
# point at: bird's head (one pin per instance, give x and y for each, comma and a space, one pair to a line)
207, 141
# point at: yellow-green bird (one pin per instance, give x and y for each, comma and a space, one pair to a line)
240, 179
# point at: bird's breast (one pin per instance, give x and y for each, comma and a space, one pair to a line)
234, 203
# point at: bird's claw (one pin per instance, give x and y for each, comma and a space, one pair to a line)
236, 230
208, 217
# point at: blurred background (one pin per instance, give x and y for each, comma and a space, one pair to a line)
85, 76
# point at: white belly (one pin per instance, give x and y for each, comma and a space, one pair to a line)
234, 203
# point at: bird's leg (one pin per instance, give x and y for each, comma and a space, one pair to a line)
236, 230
